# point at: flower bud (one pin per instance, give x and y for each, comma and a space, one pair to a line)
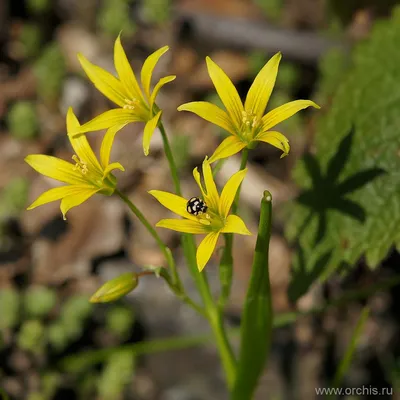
116, 288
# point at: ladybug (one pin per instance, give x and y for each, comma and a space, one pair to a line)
196, 206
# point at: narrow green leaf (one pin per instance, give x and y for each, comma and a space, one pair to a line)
257, 319
348, 356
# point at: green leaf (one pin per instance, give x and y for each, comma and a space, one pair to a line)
257, 319
348, 356
348, 206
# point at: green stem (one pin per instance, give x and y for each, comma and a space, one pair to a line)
88, 358
176, 284
214, 316
349, 354
171, 160
245, 156
226, 264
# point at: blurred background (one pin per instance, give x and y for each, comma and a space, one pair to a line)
330, 255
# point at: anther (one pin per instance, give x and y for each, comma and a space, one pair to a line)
80, 165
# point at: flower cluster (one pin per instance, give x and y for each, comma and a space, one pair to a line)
246, 124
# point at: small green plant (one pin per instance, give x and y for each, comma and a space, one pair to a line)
22, 120
157, 11
116, 375
114, 16
14, 197
119, 320
50, 71
31, 40
38, 6
39, 301
31, 336
9, 308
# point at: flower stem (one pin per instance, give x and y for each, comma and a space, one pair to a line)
226, 264
176, 283
245, 156
214, 315
171, 160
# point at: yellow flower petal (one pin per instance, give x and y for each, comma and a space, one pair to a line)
182, 225
80, 144
211, 189
105, 82
55, 194
76, 199
159, 85
173, 202
108, 119
284, 112
148, 68
55, 168
205, 249
211, 113
111, 167
197, 178
125, 72
229, 146
106, 144
226, 91
276, 139
229, 192
148, 132
261, 89
235, 224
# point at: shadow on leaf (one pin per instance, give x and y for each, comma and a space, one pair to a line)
303, 276
327, 193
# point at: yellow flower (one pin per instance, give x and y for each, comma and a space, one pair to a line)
134, 103
84, 178
214, 220
246, 123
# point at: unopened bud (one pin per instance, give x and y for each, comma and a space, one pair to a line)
116, 288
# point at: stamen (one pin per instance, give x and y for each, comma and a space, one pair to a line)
80, 165
249, 124
130, 104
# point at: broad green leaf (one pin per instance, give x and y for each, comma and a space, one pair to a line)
349, 204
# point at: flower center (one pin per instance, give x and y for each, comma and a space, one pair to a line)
80, 165
130, 104
249, 125
212, 220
